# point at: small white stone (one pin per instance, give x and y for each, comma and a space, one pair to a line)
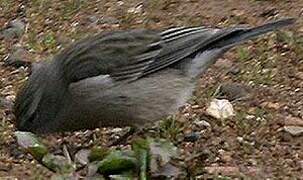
116, 130
120, 3
201, 123
249, 117
220, 109
240, 139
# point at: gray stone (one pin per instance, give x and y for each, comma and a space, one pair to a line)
233, 91
15, 29
108, 20
19, 57
192, 137
5, 103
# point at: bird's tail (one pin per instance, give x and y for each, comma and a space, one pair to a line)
239, 35
211, 49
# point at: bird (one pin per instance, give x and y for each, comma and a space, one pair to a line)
124, 78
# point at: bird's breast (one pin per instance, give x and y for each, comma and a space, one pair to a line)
145, 100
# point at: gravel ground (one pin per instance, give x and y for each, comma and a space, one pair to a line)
263, 79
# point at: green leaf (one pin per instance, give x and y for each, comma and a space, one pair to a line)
97, 154
117, 162
141, 149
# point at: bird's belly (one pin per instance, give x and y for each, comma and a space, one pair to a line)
142, 101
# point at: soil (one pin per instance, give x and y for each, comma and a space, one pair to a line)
252, 145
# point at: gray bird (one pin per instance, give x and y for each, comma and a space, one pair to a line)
123, 78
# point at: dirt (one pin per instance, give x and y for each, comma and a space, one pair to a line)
253, 144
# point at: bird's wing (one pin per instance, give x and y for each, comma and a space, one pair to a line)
174, 45
129, 55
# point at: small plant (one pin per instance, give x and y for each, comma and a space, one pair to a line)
6, 6
127, 18
146, 158
243, 54
248, 123
71, 7
294, 41
42, 5
33, 44
49, 41
170, 128
260, 70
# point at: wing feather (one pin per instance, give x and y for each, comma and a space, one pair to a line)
132, 54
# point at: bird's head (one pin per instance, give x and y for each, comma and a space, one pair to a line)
38, 102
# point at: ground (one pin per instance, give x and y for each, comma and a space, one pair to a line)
253, 144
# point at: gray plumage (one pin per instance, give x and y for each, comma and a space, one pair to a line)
123, 78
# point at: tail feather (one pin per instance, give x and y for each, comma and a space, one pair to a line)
221, 42
243, 34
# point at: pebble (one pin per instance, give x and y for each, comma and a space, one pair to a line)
108, 20
18, 58
201, 123
82, 156
220, 109
5, 103
15, 29
233, 91
235, 70
240, 139
294, 130
192, 137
